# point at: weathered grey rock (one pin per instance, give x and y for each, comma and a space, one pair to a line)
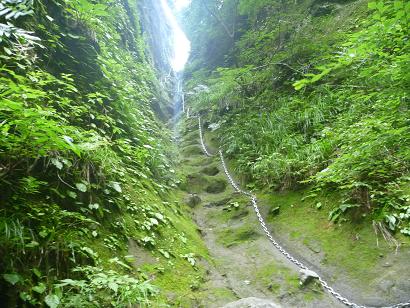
252, 302
386, 285
305, 276
322, 10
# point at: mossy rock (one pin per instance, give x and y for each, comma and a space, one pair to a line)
210, 170
192, 200
191, 138
196, 161
222, 202
236, 236
240, 213
206, 161
187, 143
192, 150
195, 183
216, 186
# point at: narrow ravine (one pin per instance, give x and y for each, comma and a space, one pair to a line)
204, 153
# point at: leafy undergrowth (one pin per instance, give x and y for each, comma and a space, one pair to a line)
84, 161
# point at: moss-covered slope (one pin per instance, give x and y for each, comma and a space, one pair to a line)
85, 165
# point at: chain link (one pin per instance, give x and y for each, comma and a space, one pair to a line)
254, 202
202, 138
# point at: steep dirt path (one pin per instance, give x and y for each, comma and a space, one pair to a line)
244, 262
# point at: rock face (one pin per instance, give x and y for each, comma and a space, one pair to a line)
158, 33
252, 302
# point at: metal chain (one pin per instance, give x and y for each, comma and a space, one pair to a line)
254, 202
202, 138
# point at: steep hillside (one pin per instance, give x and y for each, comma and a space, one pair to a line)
85, 165
310, 94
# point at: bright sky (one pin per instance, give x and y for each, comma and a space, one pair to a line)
181, 44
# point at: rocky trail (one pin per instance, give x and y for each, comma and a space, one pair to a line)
247, 271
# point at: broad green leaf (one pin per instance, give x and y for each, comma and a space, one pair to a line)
43, 233
81, 187
93, 206
32, 244
36, 272
12, 278
154, 221
113, 286
147, 146
57, 163
52, 300
40, 288
72, 194
164, 253
372, 5
116, 186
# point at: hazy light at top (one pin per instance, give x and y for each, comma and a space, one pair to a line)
181, 44
181, 4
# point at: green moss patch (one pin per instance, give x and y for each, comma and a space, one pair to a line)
210, 170
216, 186
351, 246
281, 280
236, 236
191, 150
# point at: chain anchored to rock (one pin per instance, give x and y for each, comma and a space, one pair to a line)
304, 269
